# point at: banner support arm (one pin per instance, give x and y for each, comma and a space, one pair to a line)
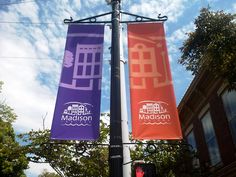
138, 18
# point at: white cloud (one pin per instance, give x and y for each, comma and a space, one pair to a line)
234, 8
105, 118
41, 43
37, 168
23, 92
178, 36
172, 8
27, 10
181, 33
92, 3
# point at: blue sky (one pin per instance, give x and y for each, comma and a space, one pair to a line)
32, 41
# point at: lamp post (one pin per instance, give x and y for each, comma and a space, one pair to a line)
115, 148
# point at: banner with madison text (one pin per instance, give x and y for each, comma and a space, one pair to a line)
153, 106
77, 110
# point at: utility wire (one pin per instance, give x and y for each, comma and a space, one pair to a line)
3, 58
22, 22
31, 23
19, 2
27, 58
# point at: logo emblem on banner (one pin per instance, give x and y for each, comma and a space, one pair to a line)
154, 113
77, 114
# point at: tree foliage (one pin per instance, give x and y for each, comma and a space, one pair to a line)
13, 160
212, 45
45, 173
171, 158
82, 158
69, 158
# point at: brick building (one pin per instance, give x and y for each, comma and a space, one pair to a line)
208, 119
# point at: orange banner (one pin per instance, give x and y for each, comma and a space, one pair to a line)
153, 106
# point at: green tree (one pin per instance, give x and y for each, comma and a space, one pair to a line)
69, 158
212, 45
171, 158
13, 160
45, 173
82, 158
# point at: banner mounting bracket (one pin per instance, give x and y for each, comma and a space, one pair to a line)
138, 18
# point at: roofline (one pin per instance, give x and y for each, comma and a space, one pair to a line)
190, 89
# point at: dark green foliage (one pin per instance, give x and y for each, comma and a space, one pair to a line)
212, 45
171, 158
82, 158
12, 157
45, 173
69, 158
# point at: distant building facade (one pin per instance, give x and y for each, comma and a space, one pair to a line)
208, 118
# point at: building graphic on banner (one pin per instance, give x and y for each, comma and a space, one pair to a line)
143, 61
85, 69
154, 113
77, 114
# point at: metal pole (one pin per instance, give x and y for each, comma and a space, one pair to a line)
115, 149
124, 114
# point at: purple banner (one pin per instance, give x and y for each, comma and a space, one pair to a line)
77, 110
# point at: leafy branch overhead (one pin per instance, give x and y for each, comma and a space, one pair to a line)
13, 160
68, 158
212, 45
83, 158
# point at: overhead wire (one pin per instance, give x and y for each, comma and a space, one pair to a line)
19, 2
26, 23
31, 23
28, 58
7, 58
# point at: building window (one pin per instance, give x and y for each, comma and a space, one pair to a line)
210, 139
229, 101
191, 141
